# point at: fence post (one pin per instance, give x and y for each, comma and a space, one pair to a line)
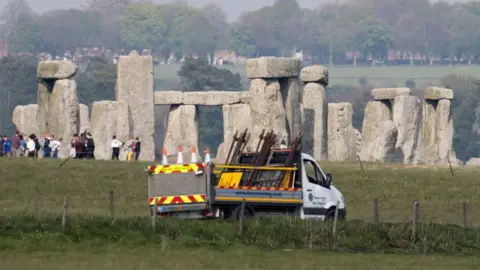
35, 201
154, 215
465, 215
242, 213
415, 219
111, 204
376, 214
64, 216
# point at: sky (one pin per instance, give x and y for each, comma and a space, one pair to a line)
233, 8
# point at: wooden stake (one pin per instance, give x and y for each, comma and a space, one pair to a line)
414, 220
241, 217
465, 215
335, 218
111, 204
64, 216
376, 214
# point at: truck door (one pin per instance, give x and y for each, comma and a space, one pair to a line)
315, 195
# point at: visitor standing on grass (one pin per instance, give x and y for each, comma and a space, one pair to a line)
90, 146
79, 145
37, 144
23, 145
31, 147
46, 146
7, 145
2, 149
72, 148
16, 150
55, 146
116, 144
137, 148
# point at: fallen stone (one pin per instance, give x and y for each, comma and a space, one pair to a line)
84, 118
182, 129
341, 135
272, 68
56, 70
390, 93
64, 113
315, 109
211, 98
473, 162
315, 73
135, 88
437, 93
376, 112
292, 97
108, 118
168, 97
267, 109
25, 119
236, 118
407, 117
385, 144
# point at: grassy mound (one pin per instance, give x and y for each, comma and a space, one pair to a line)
46, 234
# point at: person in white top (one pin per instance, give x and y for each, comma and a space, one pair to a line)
55, 146
116, 144
283, 145
31, 147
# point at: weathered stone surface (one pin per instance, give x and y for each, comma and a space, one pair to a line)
43, 99
25, 119
235, 118
376, 112
135, 88
428, 153
437, 93
84, 118
473, 162
272, 67
211, 98
358, 140
341, 135
315, 108
385, 143
407, 117
315, 73
182, 129
221, 155
245, 97
56, 70
168, 97
64, 113
390, 93
267, 109
445, 132
109, 118
292, 97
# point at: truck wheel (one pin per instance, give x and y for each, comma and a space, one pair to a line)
248, 213
330, 215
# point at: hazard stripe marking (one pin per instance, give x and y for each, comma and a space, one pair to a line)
262, 188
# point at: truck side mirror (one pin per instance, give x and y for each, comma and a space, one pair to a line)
329, 179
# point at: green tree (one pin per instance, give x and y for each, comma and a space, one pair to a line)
142, 27
241, 39
374, 38
25, 35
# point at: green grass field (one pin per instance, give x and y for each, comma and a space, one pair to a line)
99, 243
387, 76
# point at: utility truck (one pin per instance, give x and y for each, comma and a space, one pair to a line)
267, 182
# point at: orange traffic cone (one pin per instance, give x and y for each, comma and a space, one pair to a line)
194, 158
180, 156
164, 156
207, 155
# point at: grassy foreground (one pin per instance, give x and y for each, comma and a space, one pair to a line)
88, 183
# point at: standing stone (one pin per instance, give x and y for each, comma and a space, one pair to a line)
43, 99
221, 155
182, 130
235, 118
315, 123
25, 119
341, 135
429, 147
135, 88
292, 96
385, 143
358, 140
407, 118
267, 109
315, 73
376, 112
56, 70
84, 118
109, 118
445, 132
63, 116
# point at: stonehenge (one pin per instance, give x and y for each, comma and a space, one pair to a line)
282, 96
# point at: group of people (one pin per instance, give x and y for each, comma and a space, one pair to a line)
131, 145
82, 146
28, 145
